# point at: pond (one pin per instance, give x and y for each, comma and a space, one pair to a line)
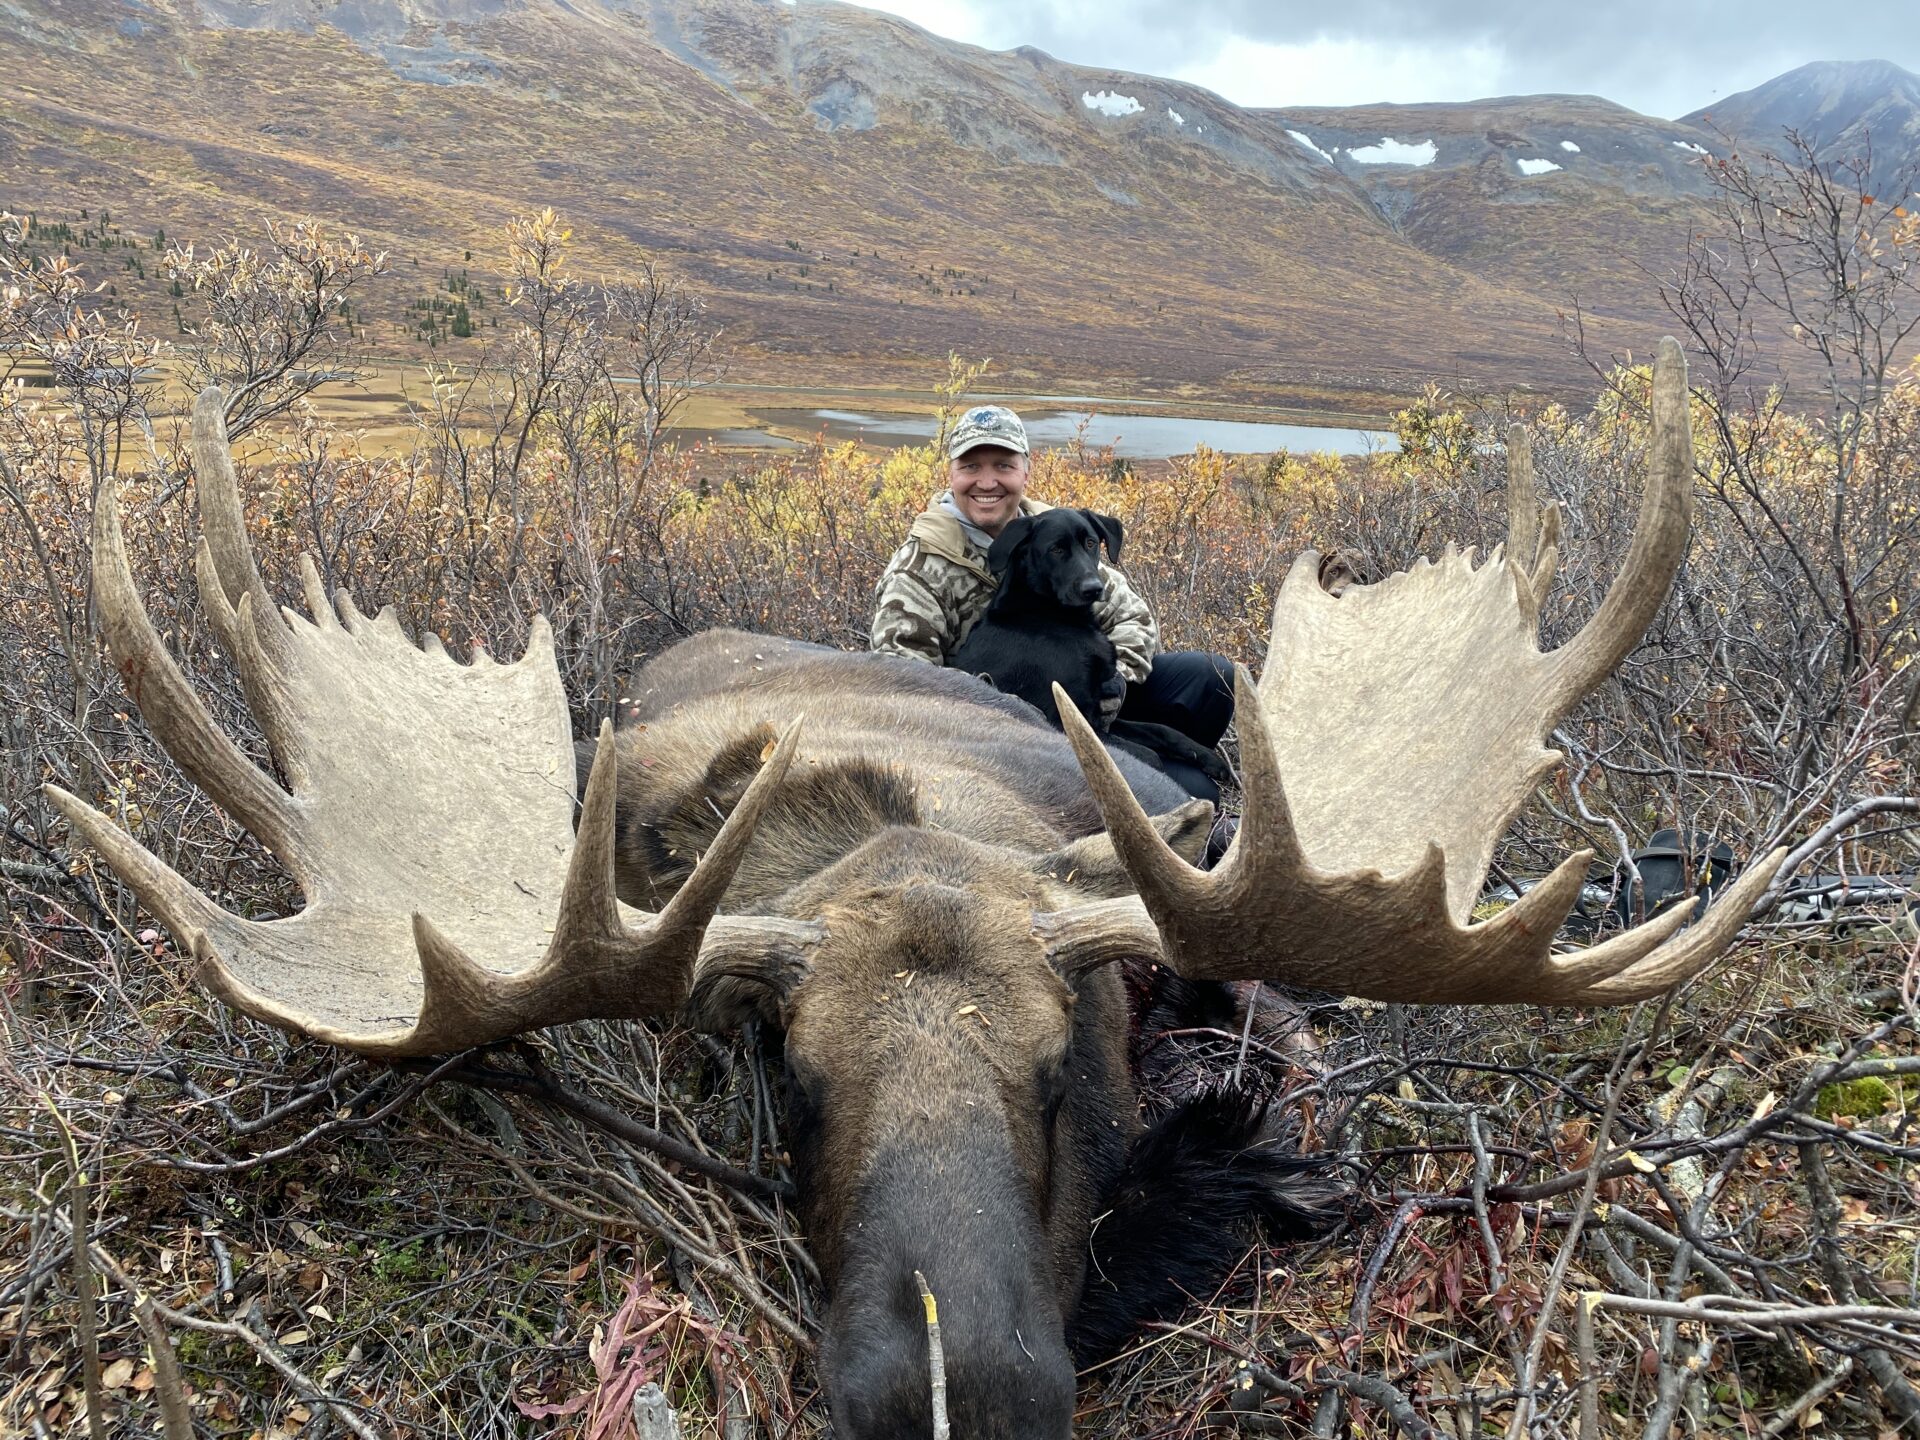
1133, 437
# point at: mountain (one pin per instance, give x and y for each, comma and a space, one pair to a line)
1557, 195
1848, 111
857, 197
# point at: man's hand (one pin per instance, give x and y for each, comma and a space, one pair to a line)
1113, 695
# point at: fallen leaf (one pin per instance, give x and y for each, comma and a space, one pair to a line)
118, 1373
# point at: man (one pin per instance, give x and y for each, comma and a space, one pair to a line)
937, 586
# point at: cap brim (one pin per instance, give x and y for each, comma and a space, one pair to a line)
954, 452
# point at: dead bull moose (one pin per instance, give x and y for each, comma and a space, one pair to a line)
969, 1125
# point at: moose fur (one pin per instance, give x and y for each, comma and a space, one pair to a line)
956, 1106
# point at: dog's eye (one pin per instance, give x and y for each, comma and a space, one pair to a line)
1092, 544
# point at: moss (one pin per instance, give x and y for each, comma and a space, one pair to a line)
1864, 1099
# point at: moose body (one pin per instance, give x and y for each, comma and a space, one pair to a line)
924, 886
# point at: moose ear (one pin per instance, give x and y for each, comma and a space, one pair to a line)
1111, 533
1007, 544
1090, 866
721, 1004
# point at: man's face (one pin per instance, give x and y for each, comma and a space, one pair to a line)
987, 484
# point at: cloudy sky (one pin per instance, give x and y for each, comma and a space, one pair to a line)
1350, 52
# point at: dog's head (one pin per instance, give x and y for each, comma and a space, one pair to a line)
1056, 555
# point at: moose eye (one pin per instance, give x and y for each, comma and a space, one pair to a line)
804, 1084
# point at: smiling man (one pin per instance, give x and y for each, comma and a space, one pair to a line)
937, 585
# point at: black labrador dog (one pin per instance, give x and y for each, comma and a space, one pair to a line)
1039, 628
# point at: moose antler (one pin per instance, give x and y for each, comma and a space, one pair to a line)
429, 925
1409, 721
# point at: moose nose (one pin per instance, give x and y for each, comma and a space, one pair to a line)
1014, 1383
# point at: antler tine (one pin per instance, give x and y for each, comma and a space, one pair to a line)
167, 701
161, 888
1662, 969
223, 521
1533, 530
1165, 882
1523, 506
1548, 559
596, 965
1659, 543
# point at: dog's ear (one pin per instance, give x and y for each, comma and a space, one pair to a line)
1000, 554
1111, 533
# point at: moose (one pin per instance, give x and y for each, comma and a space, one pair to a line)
926, 888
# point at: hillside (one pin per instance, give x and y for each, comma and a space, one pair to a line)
856, 196
1555, 195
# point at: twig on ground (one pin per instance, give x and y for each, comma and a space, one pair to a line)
936, 1360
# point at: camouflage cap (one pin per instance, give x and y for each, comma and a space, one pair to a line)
987, 425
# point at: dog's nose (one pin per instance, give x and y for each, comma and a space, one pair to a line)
1092, 590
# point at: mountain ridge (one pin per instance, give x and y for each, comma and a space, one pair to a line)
857, 196
1862, 114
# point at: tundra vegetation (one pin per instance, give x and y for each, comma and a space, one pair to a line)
1605, 1223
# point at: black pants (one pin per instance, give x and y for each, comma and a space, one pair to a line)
1190, 691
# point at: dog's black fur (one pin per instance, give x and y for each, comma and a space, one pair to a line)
1194, 1187
1039, 628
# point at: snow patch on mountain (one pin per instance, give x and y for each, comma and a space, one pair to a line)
1535, 167
1295, 134
1396, 152
1569, 145
1111, 102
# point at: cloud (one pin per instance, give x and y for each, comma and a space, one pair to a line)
1257, 52
1343, 72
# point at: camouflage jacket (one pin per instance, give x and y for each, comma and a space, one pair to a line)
937, 585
